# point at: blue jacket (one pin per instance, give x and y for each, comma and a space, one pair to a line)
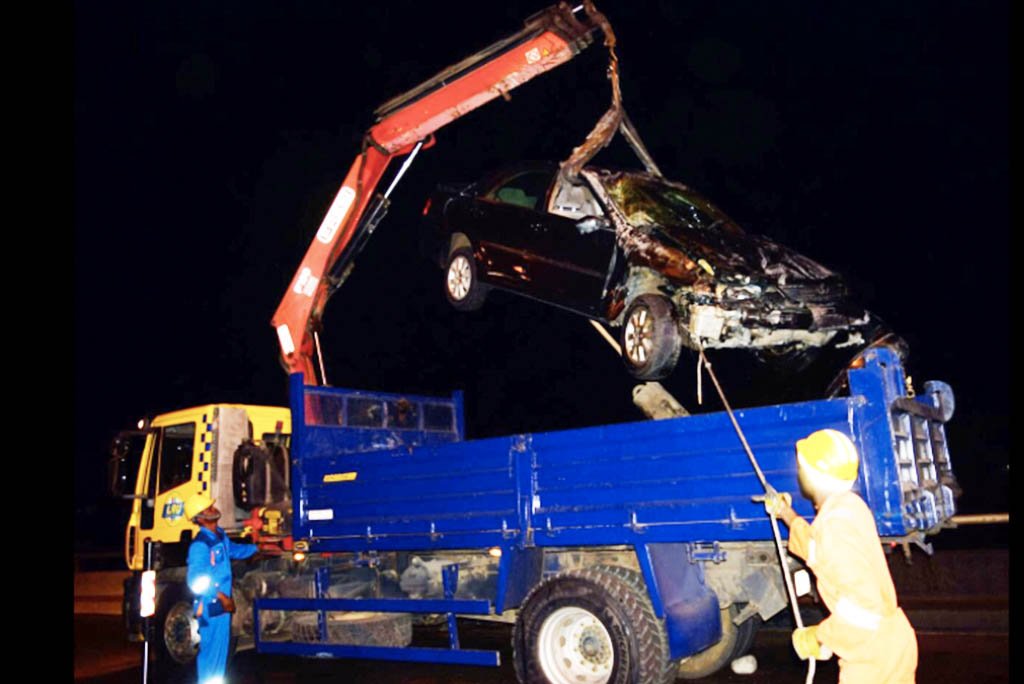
209, 568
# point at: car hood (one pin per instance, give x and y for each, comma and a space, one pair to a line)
676, 231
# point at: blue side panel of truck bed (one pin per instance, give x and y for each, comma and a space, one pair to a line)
676, 480
374, 471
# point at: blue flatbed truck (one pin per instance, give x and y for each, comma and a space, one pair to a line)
623, 552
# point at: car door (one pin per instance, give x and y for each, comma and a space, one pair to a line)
579, 249
508, 230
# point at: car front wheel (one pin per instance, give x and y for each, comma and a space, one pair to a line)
650, 337
461, 286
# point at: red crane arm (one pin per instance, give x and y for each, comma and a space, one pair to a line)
550, 38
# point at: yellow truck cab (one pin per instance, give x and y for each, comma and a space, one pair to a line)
238, 455
182, 453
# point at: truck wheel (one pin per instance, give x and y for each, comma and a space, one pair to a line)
173, 633
735, 642
356, 629
461, 286
650, 337
591, 626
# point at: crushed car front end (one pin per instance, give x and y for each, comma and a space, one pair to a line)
730, 289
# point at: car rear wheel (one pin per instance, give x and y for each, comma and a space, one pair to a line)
650, 337
461, 286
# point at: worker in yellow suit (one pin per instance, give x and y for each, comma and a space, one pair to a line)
866, 629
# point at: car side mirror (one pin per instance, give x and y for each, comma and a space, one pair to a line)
593, 223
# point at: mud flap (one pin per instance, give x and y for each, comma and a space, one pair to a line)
680, 595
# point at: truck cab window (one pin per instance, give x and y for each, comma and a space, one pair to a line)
177, 448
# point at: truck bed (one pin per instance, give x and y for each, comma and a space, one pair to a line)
422, 486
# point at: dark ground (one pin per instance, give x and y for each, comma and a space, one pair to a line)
977, 658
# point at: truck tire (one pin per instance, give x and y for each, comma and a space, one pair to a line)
461, 286
356, 629
172, 632
650, 337
591, 626
735, 642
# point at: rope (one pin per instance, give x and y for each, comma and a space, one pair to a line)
768, 489
786, 574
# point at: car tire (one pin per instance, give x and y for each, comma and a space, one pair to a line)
595, 626
461, 286
735, 642
650, 337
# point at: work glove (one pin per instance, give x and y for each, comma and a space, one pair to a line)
776, 502
193, 631
806, 644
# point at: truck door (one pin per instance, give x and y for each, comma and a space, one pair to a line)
160, 511
176, 454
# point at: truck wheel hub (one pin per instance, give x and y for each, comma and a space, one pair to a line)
574, 647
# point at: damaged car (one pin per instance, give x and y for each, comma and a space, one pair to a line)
647, 255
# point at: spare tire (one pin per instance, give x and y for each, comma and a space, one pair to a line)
355, 628
302, 586
249, 475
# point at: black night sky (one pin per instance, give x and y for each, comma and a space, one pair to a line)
210, 138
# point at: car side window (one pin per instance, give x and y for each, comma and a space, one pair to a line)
573, 201
527, 190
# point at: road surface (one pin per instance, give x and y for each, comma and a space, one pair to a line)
103, 657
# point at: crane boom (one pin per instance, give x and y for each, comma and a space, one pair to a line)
404, 124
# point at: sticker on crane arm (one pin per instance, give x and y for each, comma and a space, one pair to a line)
321, 514
335, 215
533, 56
306, 283
339, 477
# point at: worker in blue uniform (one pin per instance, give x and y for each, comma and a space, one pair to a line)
209, 578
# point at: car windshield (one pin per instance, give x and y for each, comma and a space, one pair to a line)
648, 201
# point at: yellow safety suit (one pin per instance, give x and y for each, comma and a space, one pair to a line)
866, 629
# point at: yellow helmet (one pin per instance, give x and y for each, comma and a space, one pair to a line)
196, 504
829, 452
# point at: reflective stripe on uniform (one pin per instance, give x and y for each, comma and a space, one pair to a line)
857, 615
201, 584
